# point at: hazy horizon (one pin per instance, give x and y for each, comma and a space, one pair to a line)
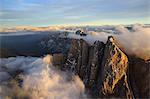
67, 12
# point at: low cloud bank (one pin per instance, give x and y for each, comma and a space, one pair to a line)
134, 42
40, 80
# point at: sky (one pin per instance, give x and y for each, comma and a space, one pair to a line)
73, 12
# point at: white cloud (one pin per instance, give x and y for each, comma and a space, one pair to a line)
135, 42
41, 80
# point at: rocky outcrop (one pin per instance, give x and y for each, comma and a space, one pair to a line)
94, 67
106, 70
103, 68
77, 57
140, 77
80, 32
114, 72
95, 59
58, 59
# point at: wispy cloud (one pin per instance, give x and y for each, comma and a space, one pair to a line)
68, 11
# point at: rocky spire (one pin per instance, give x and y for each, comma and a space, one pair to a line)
114, 72
105, 70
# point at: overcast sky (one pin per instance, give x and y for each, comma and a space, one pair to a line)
73, 12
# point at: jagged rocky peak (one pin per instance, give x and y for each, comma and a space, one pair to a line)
80, 32
114, 72
105, 71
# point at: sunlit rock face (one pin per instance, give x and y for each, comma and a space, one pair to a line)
114, 74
